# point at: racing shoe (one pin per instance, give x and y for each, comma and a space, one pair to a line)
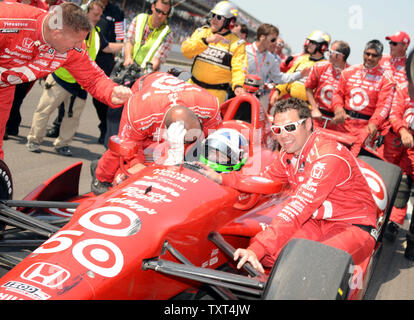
391, 231
409, 250
99, 187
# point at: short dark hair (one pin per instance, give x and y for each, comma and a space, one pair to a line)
265, 29
376, 45
73, 17
343, 47
293, 104
167, 2
244, 29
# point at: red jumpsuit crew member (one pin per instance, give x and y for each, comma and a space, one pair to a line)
323, 81
362, 101
401, 119
394, 150
35, 43
144, 116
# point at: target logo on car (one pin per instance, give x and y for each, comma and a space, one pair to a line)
378, 188
98, 255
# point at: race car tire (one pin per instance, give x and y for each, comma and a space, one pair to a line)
6, 187
391, 175
6, 182
309, 270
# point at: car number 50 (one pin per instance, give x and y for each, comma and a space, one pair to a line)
98, 255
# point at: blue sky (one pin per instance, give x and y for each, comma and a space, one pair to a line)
356, 21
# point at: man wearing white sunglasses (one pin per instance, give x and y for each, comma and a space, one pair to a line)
323, 175
323, 81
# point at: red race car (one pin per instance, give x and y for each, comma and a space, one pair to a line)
168, 232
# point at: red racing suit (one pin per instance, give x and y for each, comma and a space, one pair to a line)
35, 3
143, 115
329, 197
401, 116
366, 96
396, 66
394, 151
323, 80
25, 56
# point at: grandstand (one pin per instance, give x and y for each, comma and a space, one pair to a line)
187, 16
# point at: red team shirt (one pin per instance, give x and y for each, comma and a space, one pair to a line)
325, 180
323, 79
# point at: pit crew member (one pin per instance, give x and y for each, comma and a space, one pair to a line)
362, 101
35, 43
323, 81
219, 55
316, 45
149, 110
393, 148
401, 154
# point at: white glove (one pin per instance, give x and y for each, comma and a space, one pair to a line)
175, 137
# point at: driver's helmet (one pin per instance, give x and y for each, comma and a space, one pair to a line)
251, 83
225, 9
225, 150
321, 38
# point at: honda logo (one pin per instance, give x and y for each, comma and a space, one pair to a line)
46, 274
28, 43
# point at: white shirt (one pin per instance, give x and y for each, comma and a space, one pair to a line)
267, 67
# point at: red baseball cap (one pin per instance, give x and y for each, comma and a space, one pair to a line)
400, 36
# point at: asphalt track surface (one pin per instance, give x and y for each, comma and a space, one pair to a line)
393, 277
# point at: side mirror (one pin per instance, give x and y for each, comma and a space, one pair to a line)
124, 149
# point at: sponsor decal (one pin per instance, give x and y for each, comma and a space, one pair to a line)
26, 290
4, 31
28, 43
378, 188
359, 99
46, 274
318, 170
326, 94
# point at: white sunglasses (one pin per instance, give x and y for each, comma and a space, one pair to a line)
288, 128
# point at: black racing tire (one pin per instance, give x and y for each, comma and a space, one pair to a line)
6, 182
309, 270
6, 187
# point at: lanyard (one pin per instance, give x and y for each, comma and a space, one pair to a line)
258, 68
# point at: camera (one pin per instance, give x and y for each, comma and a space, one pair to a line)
127, 76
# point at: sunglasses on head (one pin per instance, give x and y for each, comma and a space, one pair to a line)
374, 55
159, 11
218, 17
288, 128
